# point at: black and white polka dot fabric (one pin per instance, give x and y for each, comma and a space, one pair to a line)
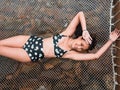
34, 48
57, 50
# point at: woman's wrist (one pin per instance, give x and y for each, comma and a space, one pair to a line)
84, 29
111, 40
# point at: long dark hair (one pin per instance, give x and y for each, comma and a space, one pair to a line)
78, 32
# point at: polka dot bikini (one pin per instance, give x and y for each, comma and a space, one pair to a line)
34, 48
57, 50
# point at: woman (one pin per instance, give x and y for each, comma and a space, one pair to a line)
32, 48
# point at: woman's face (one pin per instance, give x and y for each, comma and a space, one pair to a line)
80, 44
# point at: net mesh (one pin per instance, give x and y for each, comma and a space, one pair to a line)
45, 18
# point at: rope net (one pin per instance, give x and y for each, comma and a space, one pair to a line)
115, 50
45, 18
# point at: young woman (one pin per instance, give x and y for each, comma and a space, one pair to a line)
32, 48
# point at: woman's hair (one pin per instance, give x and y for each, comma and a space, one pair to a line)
94, 42
78, 32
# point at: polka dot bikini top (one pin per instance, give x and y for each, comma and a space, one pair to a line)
57, 50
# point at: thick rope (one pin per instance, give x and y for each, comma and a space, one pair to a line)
111, 24
113, 45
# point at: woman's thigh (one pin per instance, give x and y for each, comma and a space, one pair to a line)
17, 54
15, 41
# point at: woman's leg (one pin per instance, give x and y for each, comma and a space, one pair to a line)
12, 48
16, 41
17, 54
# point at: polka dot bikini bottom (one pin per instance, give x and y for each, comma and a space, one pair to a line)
34, 48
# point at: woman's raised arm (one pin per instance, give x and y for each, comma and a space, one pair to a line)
92, 56
79, 18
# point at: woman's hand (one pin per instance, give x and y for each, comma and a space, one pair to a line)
87, 36
114, 35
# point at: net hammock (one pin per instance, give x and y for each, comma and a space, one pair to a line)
48, 17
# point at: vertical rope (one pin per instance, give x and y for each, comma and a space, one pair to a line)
114, 46
111, 16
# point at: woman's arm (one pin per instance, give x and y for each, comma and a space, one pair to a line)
88, 56
79, 18
79, 56
112, 37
